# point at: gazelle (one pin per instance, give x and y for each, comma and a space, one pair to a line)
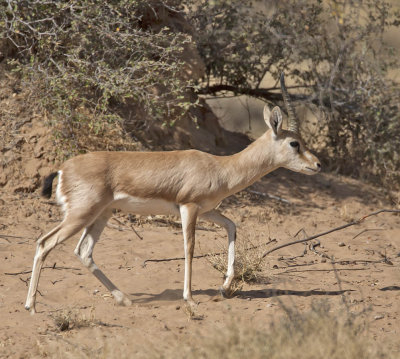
186, 183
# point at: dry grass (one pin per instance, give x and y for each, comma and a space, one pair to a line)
191, 312
248, 260
74, 320
317, 333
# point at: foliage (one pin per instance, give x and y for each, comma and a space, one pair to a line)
89, 60
335, 52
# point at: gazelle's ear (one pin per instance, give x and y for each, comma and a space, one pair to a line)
273, 119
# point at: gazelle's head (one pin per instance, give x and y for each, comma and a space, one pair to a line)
289, 148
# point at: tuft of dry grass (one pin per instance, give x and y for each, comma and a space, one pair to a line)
192, 312
248, 260
73, 320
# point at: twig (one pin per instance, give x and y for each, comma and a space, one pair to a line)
305, 247
160, 221
25, 281
366, 230
299, 256
131, 227
6, 236
358, 221
298, 232
262, 194
177, 225
340, 262
321, 270
313, 245
47, 267
385, 259
121, 224
339, 282
201, 256
118, 228
166, 222
134, 231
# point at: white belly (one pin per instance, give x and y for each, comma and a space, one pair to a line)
144, 206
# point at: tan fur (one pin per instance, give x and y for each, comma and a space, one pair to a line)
192, 182
177, 176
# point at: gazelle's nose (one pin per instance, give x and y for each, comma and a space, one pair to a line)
318, 166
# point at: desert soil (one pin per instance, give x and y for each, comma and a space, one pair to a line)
364, 278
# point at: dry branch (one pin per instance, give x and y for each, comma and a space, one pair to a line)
367, 230
131, 227
6, 236
358, 221
46, 267
262, 194
202, 255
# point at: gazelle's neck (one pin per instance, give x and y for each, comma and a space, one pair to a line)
249, 165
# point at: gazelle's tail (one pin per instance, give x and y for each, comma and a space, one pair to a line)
48, 185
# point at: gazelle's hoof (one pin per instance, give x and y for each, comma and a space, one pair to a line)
31, 310
227, 292
121, 298
222, 292
191, 302
126, 302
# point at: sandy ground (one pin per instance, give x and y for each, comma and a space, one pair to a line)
367, 259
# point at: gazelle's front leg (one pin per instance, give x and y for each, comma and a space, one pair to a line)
189, 217
221, 220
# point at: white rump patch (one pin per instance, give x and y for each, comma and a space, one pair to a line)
60, 197
143, 206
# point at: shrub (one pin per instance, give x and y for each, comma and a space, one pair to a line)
88, 60
335, 53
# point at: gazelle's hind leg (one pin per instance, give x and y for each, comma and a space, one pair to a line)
71, 225
84, 251
230, 227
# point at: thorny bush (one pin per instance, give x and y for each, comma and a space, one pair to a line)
333, 50
88, 58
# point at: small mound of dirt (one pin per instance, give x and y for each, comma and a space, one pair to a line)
25, 142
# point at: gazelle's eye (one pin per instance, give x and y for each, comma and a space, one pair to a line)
295, 144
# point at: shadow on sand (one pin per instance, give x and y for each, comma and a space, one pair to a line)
176, 294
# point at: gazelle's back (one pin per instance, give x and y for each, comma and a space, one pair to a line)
173, 176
